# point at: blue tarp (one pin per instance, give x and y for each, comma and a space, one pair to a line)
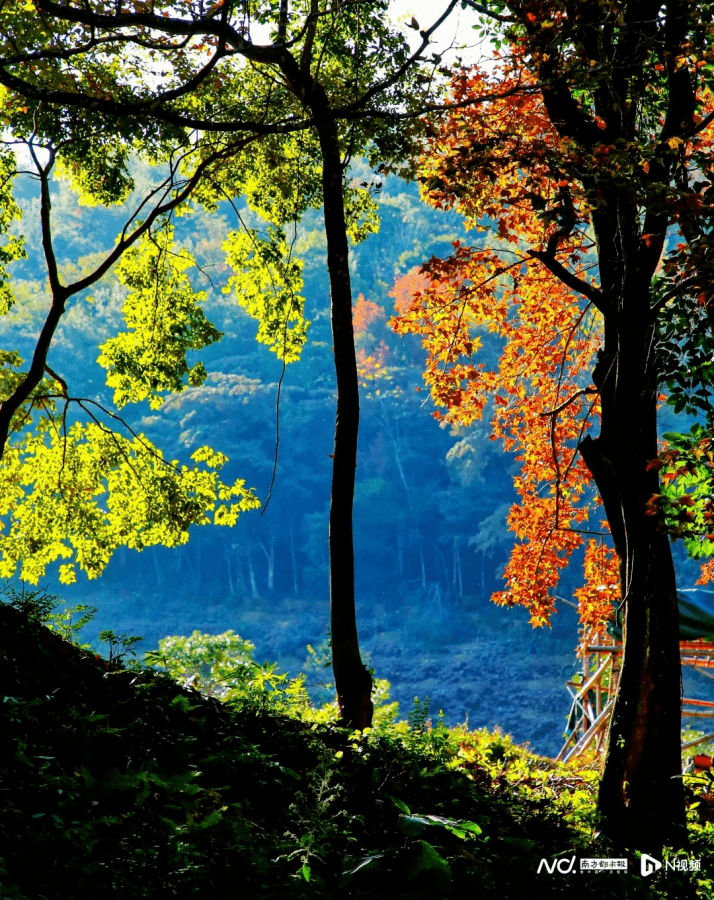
696, 614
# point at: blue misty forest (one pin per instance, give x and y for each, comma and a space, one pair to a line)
430, 501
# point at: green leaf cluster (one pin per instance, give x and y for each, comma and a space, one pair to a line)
266, 283
97, 169
277, 176
686, 501
685, 353
164, 322
12, 246
211, 663
79, 495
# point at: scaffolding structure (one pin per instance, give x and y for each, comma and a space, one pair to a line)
593, 690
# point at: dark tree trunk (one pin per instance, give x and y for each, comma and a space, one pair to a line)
353, 682
641, 793
641, 797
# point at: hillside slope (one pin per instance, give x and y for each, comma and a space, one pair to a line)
122, 783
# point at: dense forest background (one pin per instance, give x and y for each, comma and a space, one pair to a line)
430, 506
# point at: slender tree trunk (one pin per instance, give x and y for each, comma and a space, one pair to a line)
229, 568
269, 560
641, 796
294, 561
199, 573
353, 682
251, 579
458, 579
392, 432
157, 570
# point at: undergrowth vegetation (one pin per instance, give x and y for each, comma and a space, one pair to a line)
126, 780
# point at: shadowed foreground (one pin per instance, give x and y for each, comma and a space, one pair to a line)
122, 782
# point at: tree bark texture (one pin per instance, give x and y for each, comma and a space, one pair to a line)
353, 682
641, 795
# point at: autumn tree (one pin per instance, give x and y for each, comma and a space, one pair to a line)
280, 96
589, 188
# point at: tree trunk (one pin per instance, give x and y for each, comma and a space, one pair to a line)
229, 569
458, 579
269, 560
294, 561
353, 682
251, 579
641, 795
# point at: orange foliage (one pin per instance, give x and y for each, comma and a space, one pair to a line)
601, 590
372, 357
497, 162
707, 572
372, 365
407, 290
364, 313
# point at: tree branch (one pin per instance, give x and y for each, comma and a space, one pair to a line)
161, 209
203, 27
671, 294
485, 11
392, 79
599, 300
558, 409
310, 31
150, 107
60, 293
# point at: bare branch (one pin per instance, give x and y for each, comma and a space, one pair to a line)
397, 74
485, 11
582, 392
